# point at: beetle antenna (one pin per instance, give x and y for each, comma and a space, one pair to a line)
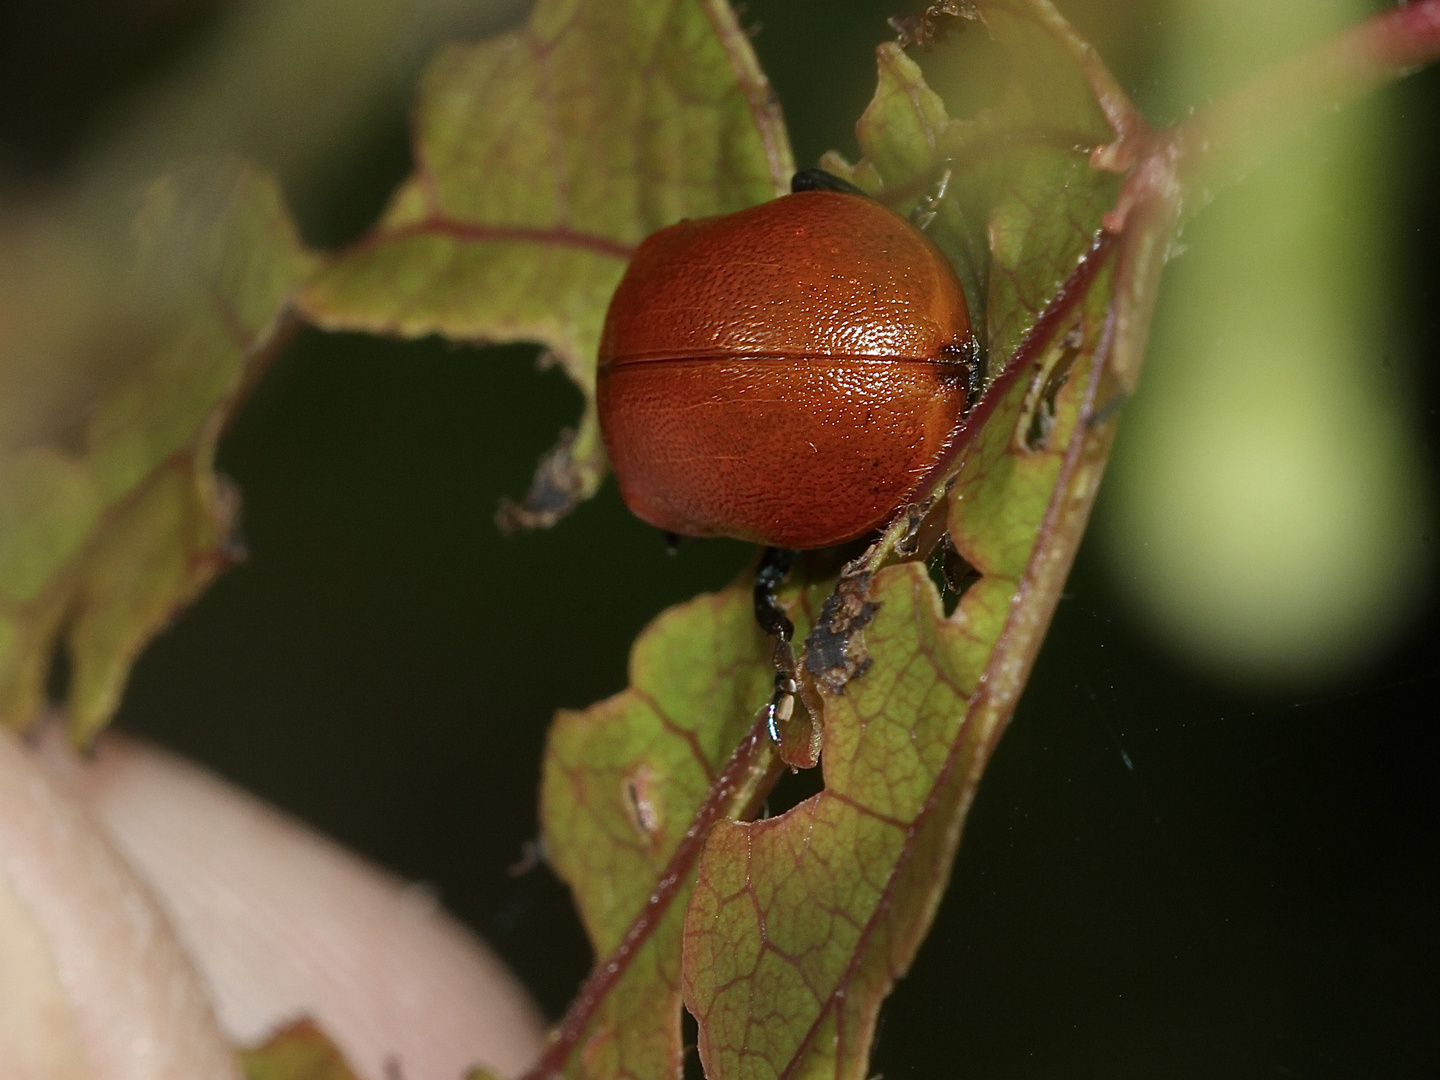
820, 180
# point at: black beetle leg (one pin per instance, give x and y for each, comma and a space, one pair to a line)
775, 563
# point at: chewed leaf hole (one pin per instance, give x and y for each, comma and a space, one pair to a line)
951, 574
793, 788
637, 795
1037, 418
689, 1037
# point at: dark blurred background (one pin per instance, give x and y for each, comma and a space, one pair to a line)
1176, 866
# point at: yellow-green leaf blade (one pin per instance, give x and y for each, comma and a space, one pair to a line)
799, 925
622, 781
543, 156
111, 517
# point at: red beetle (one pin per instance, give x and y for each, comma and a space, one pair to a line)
792, 374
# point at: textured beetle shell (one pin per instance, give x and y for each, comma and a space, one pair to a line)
789, 375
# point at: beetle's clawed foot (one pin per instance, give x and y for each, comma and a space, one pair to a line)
782, 700
929, 204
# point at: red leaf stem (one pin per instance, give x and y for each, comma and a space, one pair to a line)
753, 766
1185, 166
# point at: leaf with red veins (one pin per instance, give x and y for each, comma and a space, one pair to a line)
623, 777
792, 936
1009, 196
799, 925
126, 368
543, 156
631, 785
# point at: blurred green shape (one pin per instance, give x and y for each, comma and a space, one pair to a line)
111, 517
1269, 500
298, 1052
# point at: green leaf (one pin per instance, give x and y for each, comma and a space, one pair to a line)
623, 781
1001, 222
800, 924
298, 1052
543, 156
111, 517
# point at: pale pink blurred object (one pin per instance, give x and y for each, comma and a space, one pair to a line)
279, 922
